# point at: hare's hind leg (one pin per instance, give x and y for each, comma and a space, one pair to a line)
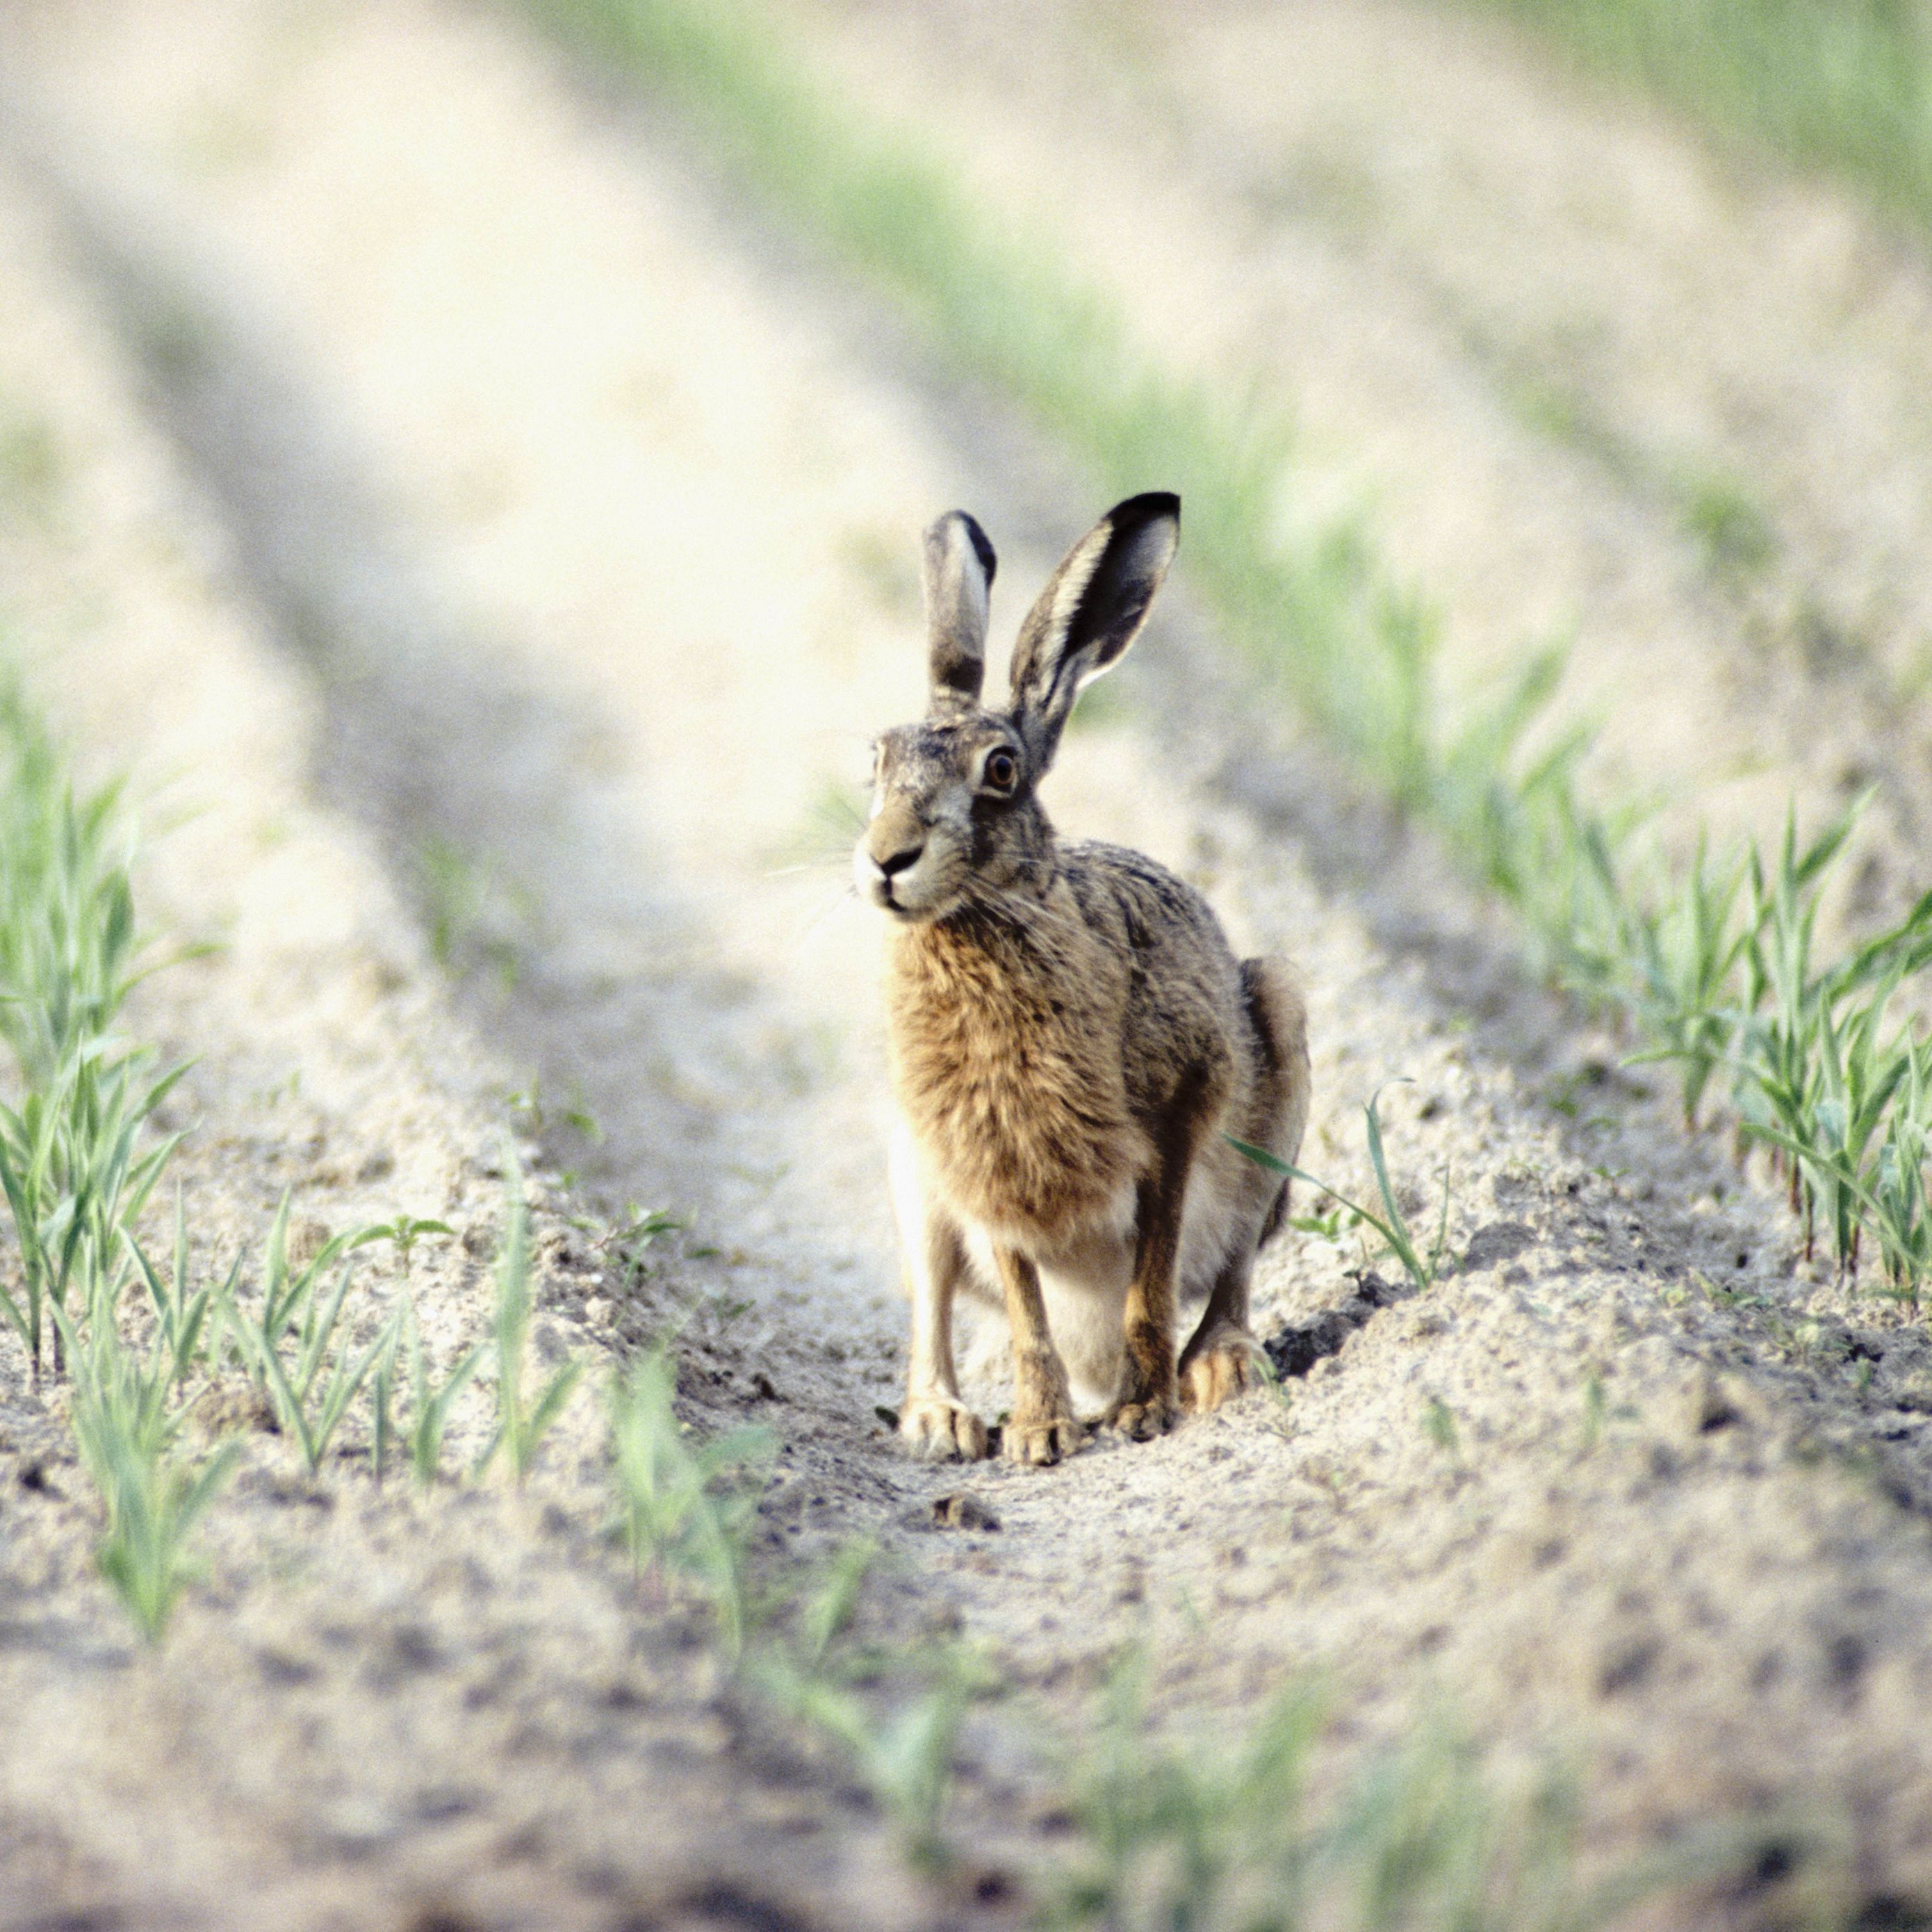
1220, 1359
1146, 1404
1219, 1362
934, 1422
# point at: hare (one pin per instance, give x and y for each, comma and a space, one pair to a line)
1072, 1039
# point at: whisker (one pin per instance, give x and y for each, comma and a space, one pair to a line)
802, 865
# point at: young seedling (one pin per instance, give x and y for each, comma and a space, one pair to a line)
474, 912
1392, 1225
1595, 1407
288, 1298
311, 1395
629, 1244
905, 1755
403, 1233
127, 1426
1898, 1193
1277, 1386
188, 1323
684, 1507
521, 1424
430, 1404
1328, 1227
902, 1745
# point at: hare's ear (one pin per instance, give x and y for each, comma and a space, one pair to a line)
1090, 612
959, 567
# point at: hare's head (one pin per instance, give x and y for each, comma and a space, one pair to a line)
955, 818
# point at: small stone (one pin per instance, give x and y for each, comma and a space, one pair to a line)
961, 1509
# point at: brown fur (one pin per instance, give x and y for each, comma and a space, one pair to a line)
1072, 1039
1004, 1026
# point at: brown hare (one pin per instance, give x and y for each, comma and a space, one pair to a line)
1072, 1039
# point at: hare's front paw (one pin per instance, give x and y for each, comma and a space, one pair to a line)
1220, 1369
1040, 1438
942, 1431
1145, 1405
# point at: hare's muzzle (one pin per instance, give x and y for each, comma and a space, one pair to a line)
876, 871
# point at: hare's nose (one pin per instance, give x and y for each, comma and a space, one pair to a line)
907, 855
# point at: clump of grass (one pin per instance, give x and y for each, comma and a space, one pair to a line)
1678, 953
1423, 1266
75, 1172
311, 1394
74, 1163
296, 1345
299, 1317
1893, 1189
127, 1417
895, 1719
685, 1506
77, 1164
1719, 971
431, 1404
1240, 1834
187, 1320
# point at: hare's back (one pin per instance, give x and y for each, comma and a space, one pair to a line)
1129, 895
1185, 1004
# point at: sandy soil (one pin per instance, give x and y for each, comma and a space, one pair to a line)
446, 464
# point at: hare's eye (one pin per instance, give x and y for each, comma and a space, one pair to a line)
1000, 771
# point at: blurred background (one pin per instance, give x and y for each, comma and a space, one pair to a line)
1543, 379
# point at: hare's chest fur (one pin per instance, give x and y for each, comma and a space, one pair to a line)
1006, 1054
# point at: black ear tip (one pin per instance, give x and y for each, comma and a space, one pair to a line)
938, 534
983, 546
1151, 506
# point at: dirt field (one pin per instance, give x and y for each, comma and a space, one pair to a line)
453, 496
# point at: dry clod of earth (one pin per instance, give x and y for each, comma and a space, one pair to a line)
443, 597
